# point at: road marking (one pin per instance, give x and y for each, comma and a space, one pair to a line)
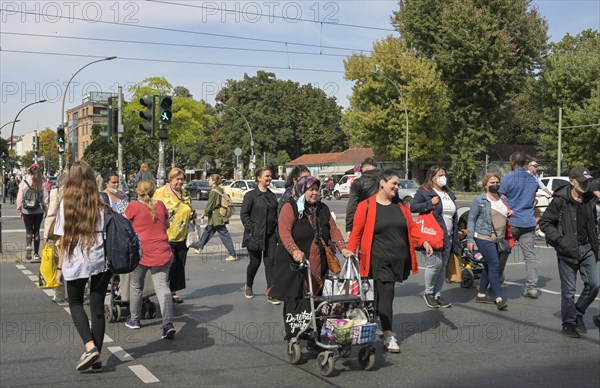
139, 370
541, 289
143, 374
120, 353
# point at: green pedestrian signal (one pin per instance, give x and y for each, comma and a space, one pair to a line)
165, 113
60, 139
148, 115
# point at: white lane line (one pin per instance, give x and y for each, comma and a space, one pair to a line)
143, 374
541, 289
120, 353
27, 272
139, 370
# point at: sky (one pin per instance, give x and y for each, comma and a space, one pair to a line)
303, 41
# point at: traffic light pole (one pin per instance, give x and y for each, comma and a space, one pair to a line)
119, 133
161, 161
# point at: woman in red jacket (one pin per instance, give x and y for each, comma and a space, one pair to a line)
382, 231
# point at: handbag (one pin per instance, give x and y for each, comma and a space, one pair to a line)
428, 229
502, 244
332, 261
453, 269
47, 274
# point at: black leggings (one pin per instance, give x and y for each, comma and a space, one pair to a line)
268, 255
177, 270
384, 298
75, 289
32, 229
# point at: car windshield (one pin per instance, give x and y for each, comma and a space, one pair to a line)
251, 184
408, 184
278, 184
203, 184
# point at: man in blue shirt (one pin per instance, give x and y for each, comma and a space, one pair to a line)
520, 187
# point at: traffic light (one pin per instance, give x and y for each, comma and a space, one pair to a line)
60, 139
148, 115
165, 113
113, 119
163, 133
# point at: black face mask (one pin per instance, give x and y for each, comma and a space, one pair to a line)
493, 189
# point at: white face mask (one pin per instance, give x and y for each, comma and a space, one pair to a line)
114, 191
441, 181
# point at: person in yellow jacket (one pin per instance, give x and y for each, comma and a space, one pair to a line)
179, 206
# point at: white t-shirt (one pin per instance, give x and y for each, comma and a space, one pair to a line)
82, 265
448, 210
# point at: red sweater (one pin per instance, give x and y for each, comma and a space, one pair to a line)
362, 234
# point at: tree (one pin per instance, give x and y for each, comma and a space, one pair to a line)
485, 50
48, 147
182, 91
571, 81
376, 116
286, 120
27, 159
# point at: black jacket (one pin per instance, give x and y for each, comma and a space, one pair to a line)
421, 203
362, 188
559, 224
255, 210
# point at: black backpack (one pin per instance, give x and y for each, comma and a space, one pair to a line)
122, 246
31, 198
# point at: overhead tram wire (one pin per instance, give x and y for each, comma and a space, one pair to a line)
171, 44
188, 31
175, 61
274, 16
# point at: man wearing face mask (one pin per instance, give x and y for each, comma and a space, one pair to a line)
569, 225
519, 188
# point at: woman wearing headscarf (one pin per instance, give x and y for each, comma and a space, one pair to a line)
32, 215
302, 223
259, 217
179, 205
383, 231
435, 196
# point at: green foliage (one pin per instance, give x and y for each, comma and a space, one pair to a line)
101, 155
571, 81
48, 147
286, 119
27, 159
485, 50
376, 117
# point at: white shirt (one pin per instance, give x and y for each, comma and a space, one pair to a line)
81, 264
448, 210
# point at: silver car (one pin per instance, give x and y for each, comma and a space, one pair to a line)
407, 190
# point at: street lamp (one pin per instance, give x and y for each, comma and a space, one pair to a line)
560, 128
376, 72
250, 131
12, 131
10, 122
62, 109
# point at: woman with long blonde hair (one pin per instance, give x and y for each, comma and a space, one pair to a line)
150, 220
79, 222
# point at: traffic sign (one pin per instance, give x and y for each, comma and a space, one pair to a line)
237, 151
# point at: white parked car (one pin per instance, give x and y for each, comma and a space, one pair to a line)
342, 188
277, 187
238, 189
553, 183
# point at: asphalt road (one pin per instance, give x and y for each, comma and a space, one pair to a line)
224, 339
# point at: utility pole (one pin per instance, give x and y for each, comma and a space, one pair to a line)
35, 146
120, 130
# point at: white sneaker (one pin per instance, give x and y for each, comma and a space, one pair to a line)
196, 251
391, 344
230, 258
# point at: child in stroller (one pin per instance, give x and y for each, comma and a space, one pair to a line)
471, 262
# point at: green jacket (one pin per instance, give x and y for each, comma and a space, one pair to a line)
211, 211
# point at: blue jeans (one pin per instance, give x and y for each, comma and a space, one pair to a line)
491, 267
525, 238
210, 231
436, 268
588, 270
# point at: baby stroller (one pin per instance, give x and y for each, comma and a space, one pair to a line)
471, 262
117, 298
324, 325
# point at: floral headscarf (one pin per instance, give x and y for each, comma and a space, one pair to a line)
301, 187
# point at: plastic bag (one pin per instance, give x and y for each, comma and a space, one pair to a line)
47, 275
193, 236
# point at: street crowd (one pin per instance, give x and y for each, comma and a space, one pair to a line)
380, 231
